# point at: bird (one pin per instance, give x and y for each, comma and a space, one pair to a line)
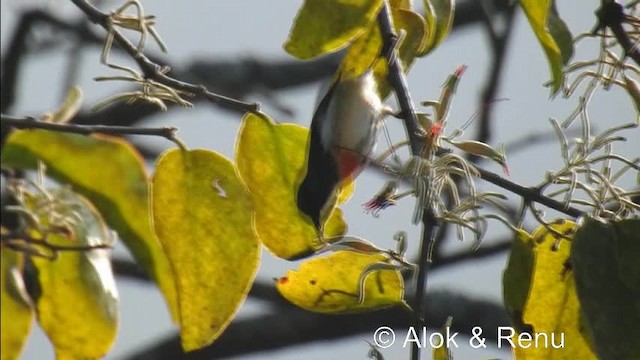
343, 134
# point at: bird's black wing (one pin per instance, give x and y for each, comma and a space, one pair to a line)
321, 177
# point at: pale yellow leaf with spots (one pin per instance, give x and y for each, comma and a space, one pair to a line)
330, 284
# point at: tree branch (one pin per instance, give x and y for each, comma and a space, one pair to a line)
529, 193
154, 71
235, 78
289, 325
12, 59
265, 291
398, 82
166, 132
499, 46
611, 15
232, 78
489, 13
12, 63
296, 326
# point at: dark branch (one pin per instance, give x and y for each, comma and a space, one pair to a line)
295, 325
31, 123
489, 11
28, 245
154, 71
499, 46
238, 79
233, 78
12, 63
483, 251
470, 12
263, 291
129, 270
611, 15
529, 193
398, 82
12, 59
531, 139
289, 326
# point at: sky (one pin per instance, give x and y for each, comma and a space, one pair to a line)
228, 30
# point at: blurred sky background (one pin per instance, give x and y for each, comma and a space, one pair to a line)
234, 29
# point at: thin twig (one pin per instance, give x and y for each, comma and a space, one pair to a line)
529, 193
22, 243
531, 139
499, 45
167, 132
238, 77
154, 71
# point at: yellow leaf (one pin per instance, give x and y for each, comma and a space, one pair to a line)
110, 173
78, 304
323, 26
203, 217
401, 4
441, 350
552, 308
537, 12
331, 284
16, 314
363, 53
345, 191
335, 224
271, 160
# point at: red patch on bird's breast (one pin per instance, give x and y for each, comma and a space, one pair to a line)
350, 163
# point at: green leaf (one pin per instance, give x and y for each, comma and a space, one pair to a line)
627, 250
271, 161
439, 16
111, 174
203, 217
552, 307
561, 34
553, 35
516, 279
606, 267
16, 314
78, 303
324, 26
331, 284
